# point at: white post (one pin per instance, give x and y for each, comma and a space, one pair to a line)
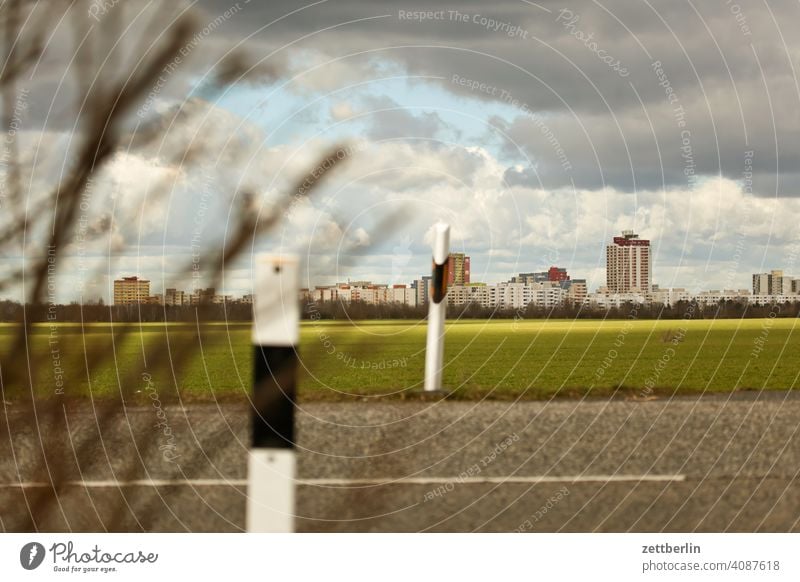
276, 332
434, 351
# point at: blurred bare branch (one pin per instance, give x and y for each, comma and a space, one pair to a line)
42, 224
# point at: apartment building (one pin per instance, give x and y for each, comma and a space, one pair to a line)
628, 264
131, 290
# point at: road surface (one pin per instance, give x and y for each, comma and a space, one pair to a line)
714, 463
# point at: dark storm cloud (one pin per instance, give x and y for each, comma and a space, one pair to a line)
589, 69
106, 45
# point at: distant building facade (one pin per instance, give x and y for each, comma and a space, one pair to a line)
628, 264
458, 269
404, 294
131, 290
557, 274
774, 283
203, 296
175, 297
577, 291
508, 295
422, 289
530, 278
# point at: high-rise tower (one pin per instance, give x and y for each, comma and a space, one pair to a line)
628, 264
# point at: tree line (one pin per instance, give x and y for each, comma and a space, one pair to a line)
11, 311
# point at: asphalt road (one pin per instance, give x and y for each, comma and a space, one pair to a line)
688, 464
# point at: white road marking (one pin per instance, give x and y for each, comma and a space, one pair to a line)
531, 480
133, 483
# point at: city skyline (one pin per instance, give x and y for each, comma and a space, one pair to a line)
526, 179
628, 278
745, 282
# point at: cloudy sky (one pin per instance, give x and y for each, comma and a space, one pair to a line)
538, 130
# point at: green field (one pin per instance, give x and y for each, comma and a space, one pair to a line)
501, 359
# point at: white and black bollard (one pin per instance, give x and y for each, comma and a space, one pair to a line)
437, 305
276, 332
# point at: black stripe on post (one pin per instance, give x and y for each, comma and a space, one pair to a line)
439, 282
274, 390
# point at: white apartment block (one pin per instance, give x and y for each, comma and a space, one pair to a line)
363, 291
715, 296
774, 283
612, 300
405, 295
508, 295
771, 299
670, 296
467, 294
